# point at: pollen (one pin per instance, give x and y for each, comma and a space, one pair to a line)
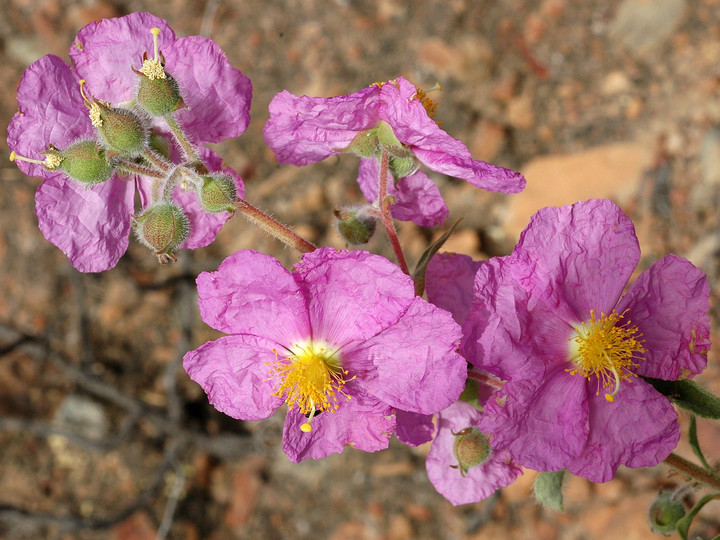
153, 68
95, 111
311, 378
607, 349
428, 104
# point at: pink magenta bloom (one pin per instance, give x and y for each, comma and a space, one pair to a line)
552, 321
91, 224
303, 130
341, 339
450, 279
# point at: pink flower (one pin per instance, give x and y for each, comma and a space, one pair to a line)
303, 130
552, 321
91, 222
341, 339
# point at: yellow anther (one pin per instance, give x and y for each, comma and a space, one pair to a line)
152, 68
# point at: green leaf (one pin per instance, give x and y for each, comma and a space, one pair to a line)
548, 489
695, 444
689, 396
683, 525
430, 251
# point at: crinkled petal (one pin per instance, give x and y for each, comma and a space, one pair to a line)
216, 94
414, 429
436, 149
413, 364
50, 111
91, 225
234, 372
304, 129
204, 225
252, 293
352, 295
669, 304
577, 258
105, 52
639, 429
507, 332
417, 198
480, 481
543, 423
362, 422
449, 283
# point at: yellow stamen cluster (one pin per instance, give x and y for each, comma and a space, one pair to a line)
429, 105
152, 68
606, 349
95, 112
311, 379
51, 161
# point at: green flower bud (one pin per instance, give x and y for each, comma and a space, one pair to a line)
470, 448
218, 193
400, 167
159, 96
664, 513
356, 226
548, 489
122, 131
386, 135
162, 228
85, 162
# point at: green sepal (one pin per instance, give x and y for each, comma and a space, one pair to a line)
218, 193
695, 443
85, 162
429, 253
122, 131
688, 395
548, 489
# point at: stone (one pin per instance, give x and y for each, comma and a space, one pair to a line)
642, 26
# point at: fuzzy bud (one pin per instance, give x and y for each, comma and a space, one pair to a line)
356, 226
470, 448
122, 131
548, 489
85, 162
162, 227
218, 193
159, 96
664, 513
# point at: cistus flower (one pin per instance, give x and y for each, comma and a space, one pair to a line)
464, 464
84, 208
394, 117
342, 340
552, 321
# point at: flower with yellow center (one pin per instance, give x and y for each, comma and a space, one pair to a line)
311, 377
607, 350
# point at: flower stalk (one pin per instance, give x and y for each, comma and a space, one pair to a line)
384, 200
273, 227
693, 471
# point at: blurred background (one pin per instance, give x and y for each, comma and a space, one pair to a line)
103, 435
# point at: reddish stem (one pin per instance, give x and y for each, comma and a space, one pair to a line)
695, 472
274, 227
385, 217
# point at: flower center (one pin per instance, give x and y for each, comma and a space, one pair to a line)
606, 349
152, 68
311, 378
429, 105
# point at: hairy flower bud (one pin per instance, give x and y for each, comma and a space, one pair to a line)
162, 227
122, 131
85, 162
356, 226
159, 96
470, 448
664, 513
218, 193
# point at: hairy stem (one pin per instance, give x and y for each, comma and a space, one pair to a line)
695, 472
274, 227
384, 202
183, 141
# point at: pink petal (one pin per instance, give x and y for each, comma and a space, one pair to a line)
669, 304
352, 295
449, 283
412, 428
90, 225
639, 429
252, 293
418, 199
216, 94
105, 52
51, 111
234, 372
304, 129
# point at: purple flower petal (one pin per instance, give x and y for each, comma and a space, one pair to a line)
362, 422
216, 94
412, 428
51, 111
304, 129
105, 52
644, 430
418, 199
252, 293
234, 372
450, 279
402, 361
352, 295
89, 224
669, 304
577, 258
